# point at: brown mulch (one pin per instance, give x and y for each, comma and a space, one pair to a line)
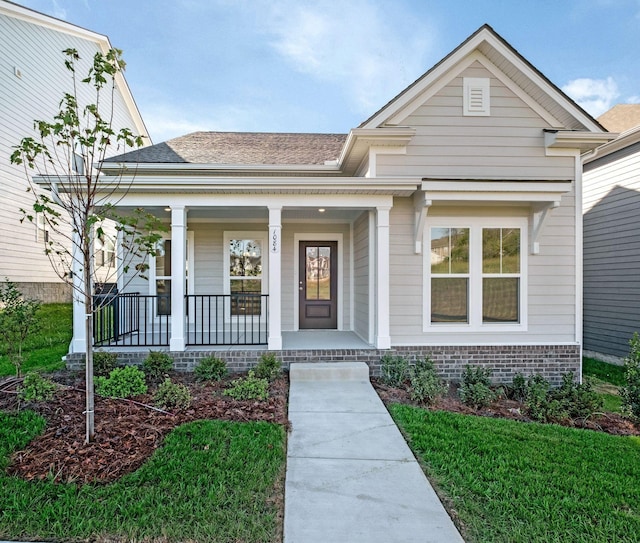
609, 423
126, 433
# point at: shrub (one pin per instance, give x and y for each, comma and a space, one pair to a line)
250, 387
35, 388
536, 401
104, 362
394, 370
18, 318
157, 364
630, 392
475, 389
211, 368
122, 383
518, 389
426, 386
577, 400
269, 367
172, 395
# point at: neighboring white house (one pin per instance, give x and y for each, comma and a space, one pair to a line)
611, 208
477, 162
32, 81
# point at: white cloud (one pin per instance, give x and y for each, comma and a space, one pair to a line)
371, 53
594, 95
58, 11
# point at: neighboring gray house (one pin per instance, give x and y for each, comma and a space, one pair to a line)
32, 81
611, 208
448, 224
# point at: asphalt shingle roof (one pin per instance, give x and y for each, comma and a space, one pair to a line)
621, 117
240, 148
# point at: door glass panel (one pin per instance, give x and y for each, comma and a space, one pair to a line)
163, 292
318, 273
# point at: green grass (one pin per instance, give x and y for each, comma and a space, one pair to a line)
211, 481
609, 373
45, 348
513, 482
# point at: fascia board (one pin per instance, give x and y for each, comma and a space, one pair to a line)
499, 191
211, 169
572, 139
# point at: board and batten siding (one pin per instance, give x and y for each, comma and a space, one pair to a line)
551, 279
611, 207
34, 51
508, 144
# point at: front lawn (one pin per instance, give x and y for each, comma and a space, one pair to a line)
44, 349
212, 481
606, 378
514, 482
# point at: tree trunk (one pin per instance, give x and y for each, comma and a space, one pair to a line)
89, 393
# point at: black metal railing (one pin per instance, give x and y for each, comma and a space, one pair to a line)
132, 319
124, 320
227, 319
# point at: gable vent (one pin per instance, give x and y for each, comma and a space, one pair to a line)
476, 96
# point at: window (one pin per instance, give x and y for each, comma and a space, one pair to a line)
42, 228
475, 275
105, 252
163, 277
246, 268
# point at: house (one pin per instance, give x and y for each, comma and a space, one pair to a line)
611, 208
32, 80
448, 224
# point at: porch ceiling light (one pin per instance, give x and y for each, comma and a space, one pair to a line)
321, 209
167, 209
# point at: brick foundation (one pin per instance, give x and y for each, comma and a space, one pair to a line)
550, 361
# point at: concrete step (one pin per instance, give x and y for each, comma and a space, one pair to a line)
328, 371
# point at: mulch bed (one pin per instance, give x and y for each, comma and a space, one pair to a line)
126, 433
609, 423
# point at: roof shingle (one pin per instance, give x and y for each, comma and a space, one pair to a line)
240, 148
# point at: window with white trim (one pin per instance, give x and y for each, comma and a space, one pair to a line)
475, 276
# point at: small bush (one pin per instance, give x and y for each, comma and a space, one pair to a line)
104, 362
394, 370
211, 368
157, 364
630, 392
269, 367
35, 388
536, 401
426, 386
249, 388
578, 400
475, 389
122, 383
518, 389
172, 395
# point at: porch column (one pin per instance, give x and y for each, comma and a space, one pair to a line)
79, 341
383, 338
178, 274
275, 280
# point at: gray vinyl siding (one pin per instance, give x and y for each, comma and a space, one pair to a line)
550, 276
611, 207
508, 144
37, 52
361, 275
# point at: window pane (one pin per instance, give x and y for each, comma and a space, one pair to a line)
500, 299
501, 250
246, 296
449, 299
163, 259
318, 273
449, 250
163, 292
245, 258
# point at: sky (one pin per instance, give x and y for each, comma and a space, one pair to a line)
327, 65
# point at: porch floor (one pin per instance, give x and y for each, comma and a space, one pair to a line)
322, 339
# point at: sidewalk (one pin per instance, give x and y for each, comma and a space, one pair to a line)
351, 477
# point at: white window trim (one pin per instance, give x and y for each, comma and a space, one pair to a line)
475, 225
190, 261
262, 236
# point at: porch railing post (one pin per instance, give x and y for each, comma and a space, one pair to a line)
274, 341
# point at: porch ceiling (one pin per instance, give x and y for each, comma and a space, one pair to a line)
262, 213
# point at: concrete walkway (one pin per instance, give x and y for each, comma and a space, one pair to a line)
351, 477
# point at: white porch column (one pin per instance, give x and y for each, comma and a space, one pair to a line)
383, 338
79, 340
178, 276
275, 278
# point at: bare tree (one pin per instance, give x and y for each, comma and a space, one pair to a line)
79, 204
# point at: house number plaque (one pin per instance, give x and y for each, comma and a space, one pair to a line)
274, 239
